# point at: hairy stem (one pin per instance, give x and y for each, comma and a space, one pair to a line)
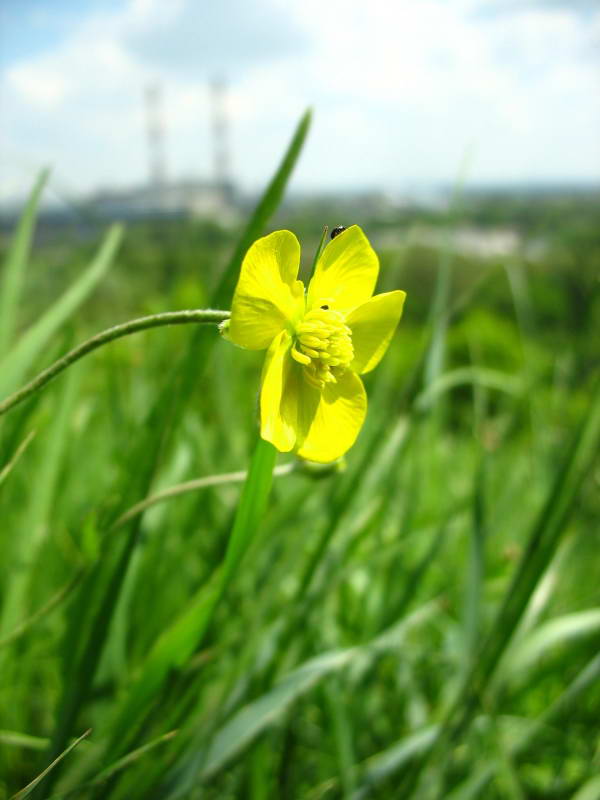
109, 335
193, 486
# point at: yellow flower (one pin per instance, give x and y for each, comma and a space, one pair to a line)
312, 400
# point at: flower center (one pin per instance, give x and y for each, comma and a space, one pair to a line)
323, 345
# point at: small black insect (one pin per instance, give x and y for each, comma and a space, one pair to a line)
325, 308
336, 231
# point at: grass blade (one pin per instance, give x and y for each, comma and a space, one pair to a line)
175, 646
26, 791
16, 264
92, 614
35, 526
476, 566
17, 739
476, 376
383, 765
253, 718
544, 539
551, 634
269, 203
560, 710
589, 791
57, 598
543, 542
21, 357
112, 770
12, 463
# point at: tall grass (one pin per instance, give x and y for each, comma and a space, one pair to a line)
423, 622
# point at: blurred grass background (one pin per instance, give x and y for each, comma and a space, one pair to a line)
423, 623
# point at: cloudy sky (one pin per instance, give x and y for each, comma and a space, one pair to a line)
404, 91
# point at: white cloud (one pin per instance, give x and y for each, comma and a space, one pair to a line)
401, 91
40, 89
436, 80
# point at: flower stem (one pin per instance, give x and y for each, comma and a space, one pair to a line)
192, 486
109, 335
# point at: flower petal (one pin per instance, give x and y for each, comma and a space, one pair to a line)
268, 296
373, 325
331, 429
278, 362
346, 272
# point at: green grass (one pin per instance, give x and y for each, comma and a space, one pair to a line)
423, 622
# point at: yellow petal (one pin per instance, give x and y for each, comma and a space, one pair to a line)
373, 325
268, 297
346, 272
273, 427
286, 412
331, 427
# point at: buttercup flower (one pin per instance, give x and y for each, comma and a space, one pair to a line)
318, 342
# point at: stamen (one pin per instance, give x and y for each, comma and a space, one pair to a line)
312, 341
301, 358
323, 345
310, 352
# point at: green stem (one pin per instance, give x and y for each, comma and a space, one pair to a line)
109, 335
193, 486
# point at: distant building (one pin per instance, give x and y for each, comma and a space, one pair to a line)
195, 198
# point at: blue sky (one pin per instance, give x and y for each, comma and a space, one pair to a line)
402, 91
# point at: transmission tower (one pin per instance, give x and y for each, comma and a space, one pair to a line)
156, 137
220, 134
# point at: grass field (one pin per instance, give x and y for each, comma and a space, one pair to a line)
420, 621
